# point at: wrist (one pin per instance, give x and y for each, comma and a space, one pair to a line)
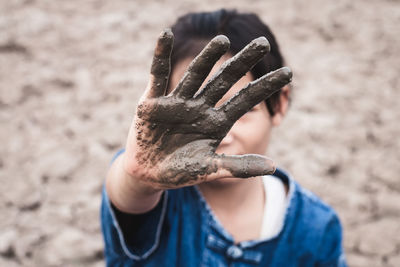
127, 192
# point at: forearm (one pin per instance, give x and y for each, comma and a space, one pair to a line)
128, 194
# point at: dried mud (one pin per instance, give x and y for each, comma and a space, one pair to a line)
72, 71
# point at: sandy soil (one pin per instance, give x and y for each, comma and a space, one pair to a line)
70, 75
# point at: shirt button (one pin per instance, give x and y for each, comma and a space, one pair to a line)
234, 252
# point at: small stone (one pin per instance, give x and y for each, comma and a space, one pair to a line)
7, 243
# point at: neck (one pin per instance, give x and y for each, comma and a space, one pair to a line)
226, 197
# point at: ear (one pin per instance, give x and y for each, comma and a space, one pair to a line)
282, 107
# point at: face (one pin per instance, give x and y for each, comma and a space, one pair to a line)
251, 133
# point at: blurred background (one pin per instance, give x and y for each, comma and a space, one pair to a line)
72, 71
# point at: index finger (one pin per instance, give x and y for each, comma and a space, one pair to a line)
255, 92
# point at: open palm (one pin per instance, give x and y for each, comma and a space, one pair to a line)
174, 137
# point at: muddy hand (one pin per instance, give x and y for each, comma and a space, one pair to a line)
174, 137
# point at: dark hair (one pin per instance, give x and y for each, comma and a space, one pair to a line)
193, 30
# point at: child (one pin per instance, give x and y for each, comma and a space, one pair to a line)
176, 195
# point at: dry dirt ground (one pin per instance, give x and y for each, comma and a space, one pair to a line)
70, 75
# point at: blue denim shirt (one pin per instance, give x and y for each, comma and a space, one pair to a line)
182, 231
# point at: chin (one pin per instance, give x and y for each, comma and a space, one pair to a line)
224, 181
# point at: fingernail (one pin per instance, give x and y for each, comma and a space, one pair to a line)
167, 32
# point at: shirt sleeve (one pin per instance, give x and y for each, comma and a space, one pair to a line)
330, 251
133, 236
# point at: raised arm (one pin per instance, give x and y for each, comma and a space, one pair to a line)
173, 138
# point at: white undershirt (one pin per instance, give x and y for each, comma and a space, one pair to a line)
274, 208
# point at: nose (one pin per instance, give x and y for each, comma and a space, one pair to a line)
227, 140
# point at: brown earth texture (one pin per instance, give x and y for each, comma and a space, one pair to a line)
72, 71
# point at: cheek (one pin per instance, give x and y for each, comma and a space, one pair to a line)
253, 132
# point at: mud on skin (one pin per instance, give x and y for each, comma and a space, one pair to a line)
178, 134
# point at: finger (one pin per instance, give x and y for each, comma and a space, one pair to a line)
255, 92
201, 66
161, 65
241, 166
233, 69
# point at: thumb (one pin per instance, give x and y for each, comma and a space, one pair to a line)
241, 166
